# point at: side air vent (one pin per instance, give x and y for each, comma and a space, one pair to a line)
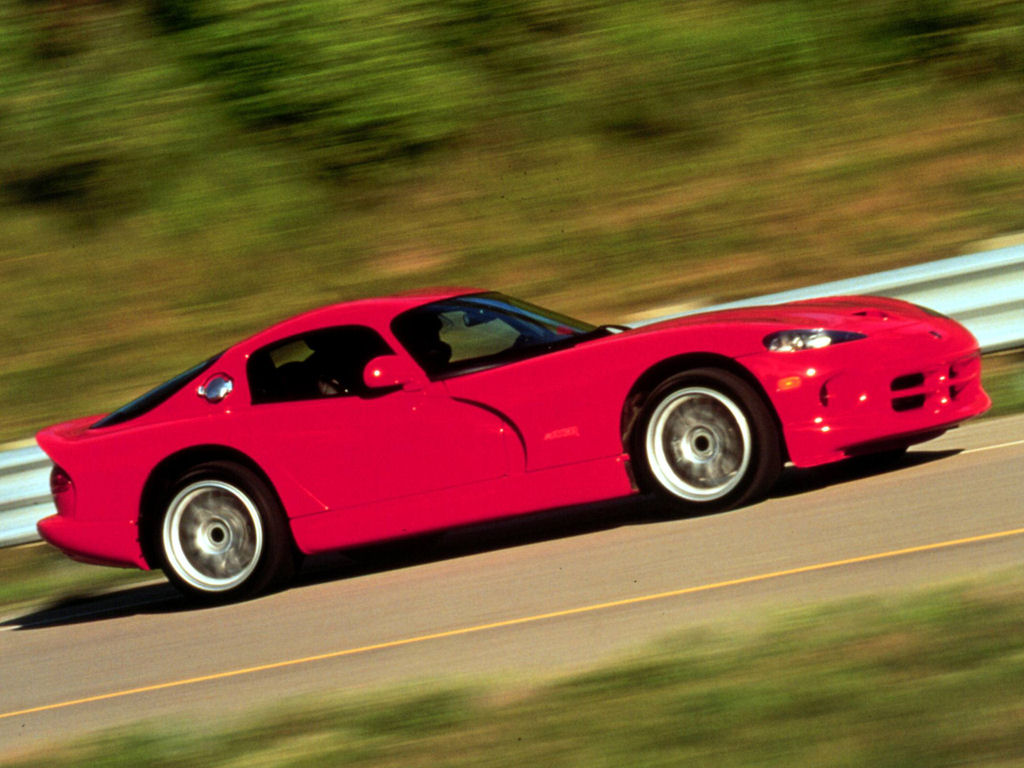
909, 381
908, 403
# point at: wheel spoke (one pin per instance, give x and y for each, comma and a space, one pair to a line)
213, 536
698, 443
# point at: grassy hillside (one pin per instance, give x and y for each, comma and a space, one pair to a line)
177, 173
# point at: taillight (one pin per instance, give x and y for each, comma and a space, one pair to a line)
60, 481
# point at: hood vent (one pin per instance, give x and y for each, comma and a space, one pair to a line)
876, 314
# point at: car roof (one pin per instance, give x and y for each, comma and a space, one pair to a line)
375, 312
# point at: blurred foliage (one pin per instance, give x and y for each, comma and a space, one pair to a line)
928, 679
349, 83
175, 173
1003, 379
86, 83
36, 572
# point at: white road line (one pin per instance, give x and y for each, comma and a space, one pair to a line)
992, 447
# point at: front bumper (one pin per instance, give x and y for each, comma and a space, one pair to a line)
877, 393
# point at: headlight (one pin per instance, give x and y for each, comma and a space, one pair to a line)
807, 338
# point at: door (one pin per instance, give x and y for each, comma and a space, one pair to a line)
350, 446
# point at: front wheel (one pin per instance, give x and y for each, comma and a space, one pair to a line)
223, 534
706, 441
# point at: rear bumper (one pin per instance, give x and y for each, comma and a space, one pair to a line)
98, 543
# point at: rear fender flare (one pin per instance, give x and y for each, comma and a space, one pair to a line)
167, 472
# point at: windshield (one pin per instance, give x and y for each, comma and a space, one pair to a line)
154, 397
469, 332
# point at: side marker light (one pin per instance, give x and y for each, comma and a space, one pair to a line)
790, 382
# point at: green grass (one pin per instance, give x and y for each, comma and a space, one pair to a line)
1003, 378
39, 573
929, 679
176, 174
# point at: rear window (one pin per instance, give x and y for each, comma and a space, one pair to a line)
155, 396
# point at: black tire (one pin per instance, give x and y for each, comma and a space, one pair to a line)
223, 535
706, 441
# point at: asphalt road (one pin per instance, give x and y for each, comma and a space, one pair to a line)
518, 600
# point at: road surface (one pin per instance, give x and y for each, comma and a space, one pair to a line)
518, 600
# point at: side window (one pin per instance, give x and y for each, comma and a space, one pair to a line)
481, 336
324, 363
481, 330
447, 335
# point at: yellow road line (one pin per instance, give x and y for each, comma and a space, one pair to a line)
515, 622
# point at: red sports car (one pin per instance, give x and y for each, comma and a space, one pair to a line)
389, 417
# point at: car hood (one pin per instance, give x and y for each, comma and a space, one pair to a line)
843, 313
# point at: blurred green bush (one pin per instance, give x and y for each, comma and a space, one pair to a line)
87, 89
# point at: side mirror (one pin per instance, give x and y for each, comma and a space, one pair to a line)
393, 371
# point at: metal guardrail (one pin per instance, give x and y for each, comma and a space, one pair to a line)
24, 494
984, 291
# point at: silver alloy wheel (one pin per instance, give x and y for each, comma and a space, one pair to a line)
698, 444
212, 536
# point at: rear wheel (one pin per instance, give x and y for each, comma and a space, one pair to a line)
223, 535
706, 441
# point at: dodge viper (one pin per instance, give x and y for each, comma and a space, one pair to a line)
390, 417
